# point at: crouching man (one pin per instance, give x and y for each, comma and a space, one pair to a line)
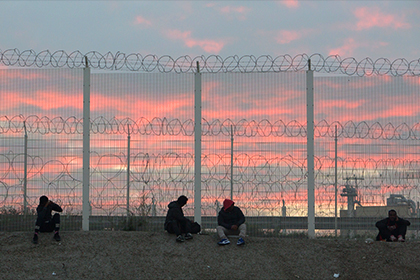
176, 222
231, 221
392, 229
45, 222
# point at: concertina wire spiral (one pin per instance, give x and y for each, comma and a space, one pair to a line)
210, 64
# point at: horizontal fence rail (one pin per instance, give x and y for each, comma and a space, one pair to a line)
257, 226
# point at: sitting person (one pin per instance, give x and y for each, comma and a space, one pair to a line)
392, 228
45, 222
230, 221
176, 222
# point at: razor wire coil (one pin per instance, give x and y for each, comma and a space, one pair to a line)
210, 64
216, 127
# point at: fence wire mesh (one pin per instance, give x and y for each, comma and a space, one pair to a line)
142, 145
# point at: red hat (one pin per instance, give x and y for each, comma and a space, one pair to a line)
227, 203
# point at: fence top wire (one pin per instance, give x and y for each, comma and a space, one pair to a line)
210, 64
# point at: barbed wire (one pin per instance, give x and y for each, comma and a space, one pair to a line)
216, 127
156, 178
210, 64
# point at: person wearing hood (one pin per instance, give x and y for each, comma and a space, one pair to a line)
176, 222
231, 221
45, 222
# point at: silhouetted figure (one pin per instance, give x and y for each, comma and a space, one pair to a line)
393, 228
176, 222
45, 222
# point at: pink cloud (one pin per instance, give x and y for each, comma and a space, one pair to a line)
230, 9
373, 17
346, 49
290, 3
350, 45
209, 46
241, 11
17, 74
142, 20
287, 36
44, 100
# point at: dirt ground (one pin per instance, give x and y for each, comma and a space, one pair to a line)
142, 255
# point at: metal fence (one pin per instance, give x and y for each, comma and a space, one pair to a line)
253, 139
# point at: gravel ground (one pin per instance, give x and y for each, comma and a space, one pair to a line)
143, 255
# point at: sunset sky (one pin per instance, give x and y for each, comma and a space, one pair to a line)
348, 28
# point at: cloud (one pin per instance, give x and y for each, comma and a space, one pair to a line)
209, 46
142, 21
239, 12
347, 49
43, 100
287, 36
351, 46
373, 17
290, 3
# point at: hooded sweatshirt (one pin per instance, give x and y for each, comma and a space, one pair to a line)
44, 213
228, 219
175, 214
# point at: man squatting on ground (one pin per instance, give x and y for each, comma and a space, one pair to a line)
230, 221
44, 221
393, 228
176, 222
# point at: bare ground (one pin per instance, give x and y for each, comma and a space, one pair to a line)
143, 255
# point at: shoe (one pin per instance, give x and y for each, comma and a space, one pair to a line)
240, 241
188, 236
400, 238
35, 239
180, 238
224, 241
393, 238
57, 237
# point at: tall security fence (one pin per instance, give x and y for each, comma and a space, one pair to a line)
253, 145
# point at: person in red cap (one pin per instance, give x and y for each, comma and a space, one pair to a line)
231, 221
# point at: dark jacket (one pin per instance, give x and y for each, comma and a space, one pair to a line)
228, 219
175, 214
44, 213
385, 223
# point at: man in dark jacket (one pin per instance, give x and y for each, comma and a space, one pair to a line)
45, 222
231, 220
393, 228
176, 222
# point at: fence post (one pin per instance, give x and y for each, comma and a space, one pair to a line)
86, 146
128, 172
310, 149
25, 171
335, 180
231, 162
197, 145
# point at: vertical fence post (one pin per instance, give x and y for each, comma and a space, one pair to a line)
86, 146
128, 172
231, 162
197, 145
310, 149
335, 180
25, 171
